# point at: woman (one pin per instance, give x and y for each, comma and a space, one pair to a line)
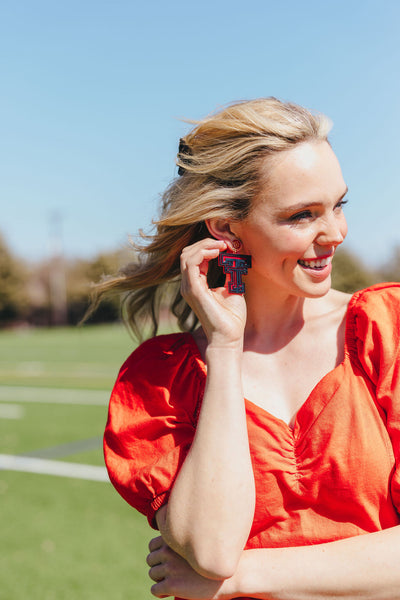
263, 444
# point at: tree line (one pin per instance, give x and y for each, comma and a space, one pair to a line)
56, 291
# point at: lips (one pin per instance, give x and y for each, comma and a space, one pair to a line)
317, 263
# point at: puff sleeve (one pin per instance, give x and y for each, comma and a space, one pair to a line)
377, 334
152, 419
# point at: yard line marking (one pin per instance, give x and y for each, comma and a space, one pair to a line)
53, 395
9, 462
62, 450
11, 411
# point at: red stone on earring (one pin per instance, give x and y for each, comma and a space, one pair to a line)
236, 244
235, 265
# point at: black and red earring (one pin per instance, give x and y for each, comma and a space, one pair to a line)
235, 265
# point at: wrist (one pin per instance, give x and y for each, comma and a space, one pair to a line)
224, 359
228, 590
232, 348
236, 585
253, 577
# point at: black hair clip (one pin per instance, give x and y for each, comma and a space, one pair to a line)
183, 153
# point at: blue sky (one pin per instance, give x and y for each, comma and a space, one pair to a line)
93, 93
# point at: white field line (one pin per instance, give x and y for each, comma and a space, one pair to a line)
9, 462
9, 393
11, 411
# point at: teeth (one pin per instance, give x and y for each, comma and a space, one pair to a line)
312, 264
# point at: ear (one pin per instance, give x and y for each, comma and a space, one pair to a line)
220, 229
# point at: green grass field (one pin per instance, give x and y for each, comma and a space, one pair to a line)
64, 538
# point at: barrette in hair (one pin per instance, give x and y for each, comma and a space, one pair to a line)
183, 153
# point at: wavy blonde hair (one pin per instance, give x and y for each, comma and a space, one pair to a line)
219, 162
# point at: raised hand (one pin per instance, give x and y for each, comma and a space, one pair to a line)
222, 315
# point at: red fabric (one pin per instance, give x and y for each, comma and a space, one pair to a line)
335, 475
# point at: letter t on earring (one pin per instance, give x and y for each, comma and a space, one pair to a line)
235, 265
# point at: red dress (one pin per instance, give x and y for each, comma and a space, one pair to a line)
336, 474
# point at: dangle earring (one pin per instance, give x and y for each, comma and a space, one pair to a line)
235, 265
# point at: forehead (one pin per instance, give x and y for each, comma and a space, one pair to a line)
309, 172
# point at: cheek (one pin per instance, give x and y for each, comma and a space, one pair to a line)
295, 242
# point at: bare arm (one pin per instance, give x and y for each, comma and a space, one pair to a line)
365, 567
211, 505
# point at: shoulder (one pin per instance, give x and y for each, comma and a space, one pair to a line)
160, 360
379, 302
152, 418
373, 331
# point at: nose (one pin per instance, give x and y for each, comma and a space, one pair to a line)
333, 230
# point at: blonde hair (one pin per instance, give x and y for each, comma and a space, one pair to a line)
219, 164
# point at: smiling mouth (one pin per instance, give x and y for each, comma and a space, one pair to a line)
320, 263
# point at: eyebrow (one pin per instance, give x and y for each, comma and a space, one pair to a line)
302, 205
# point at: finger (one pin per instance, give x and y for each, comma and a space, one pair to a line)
156, 543
206, 243
157, 590
198, 259
194, 269
153, 559
157, 573
156, 557
206, 247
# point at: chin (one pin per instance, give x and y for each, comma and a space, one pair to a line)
315, 289
320, 290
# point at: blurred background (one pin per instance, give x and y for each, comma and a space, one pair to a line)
94, 101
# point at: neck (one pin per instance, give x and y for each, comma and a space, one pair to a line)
274, 317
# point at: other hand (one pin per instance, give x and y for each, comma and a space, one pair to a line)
175, 577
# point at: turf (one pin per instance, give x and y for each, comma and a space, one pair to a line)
79, 357
46, 425
64, 538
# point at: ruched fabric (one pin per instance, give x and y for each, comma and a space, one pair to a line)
335, 474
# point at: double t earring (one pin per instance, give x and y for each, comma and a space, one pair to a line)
235, 265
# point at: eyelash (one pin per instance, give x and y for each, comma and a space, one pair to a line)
306, 214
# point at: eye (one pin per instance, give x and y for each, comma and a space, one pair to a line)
300, 216
340, 204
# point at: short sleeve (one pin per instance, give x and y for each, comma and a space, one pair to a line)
376, 317
152, 420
